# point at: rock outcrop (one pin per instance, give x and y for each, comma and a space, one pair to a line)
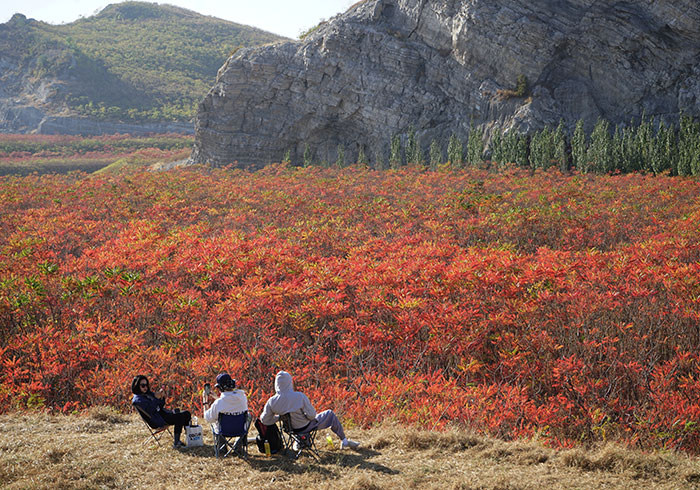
438, 66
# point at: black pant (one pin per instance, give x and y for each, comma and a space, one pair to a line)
178, 419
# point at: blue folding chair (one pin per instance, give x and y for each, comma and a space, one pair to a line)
232, 436
155, 431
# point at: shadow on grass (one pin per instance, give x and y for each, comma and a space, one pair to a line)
359, 459
350, 459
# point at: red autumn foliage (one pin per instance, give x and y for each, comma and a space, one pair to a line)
512, 303
38, 152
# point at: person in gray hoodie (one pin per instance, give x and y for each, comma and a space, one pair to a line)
302, 413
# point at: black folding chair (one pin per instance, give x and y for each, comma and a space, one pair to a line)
155, 431
297, 441
232, 436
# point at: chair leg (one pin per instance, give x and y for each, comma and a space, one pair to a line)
314, 453
287, 443
240, 448
226, 446
155, 436
150, 439
223, 446
306, 444
313, 448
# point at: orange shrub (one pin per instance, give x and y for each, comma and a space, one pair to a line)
512, 303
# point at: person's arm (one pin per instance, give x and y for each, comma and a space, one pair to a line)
268, 417
307, 408
211, 413
206, 404
159, 397
243, 400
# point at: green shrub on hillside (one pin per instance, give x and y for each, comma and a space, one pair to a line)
132, 61
76, 145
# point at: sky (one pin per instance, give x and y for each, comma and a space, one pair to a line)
285, 17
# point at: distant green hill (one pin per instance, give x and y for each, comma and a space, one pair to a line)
133, 62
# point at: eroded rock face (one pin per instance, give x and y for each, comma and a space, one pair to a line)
438, 65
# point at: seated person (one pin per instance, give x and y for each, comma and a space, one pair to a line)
303, 415
230, 400
153, 405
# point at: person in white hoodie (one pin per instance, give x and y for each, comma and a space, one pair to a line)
302, 413
231, 400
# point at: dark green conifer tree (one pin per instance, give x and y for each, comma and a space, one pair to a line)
307, 156
561, 156
475, 146
454, 151
395, 157
435, 154
361, 157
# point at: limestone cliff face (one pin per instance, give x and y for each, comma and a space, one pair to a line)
438, 65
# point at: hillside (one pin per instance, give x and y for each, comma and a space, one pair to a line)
134, 63
102, 450
440, 66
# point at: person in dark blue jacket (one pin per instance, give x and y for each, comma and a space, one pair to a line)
153, 405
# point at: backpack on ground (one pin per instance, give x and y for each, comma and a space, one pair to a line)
269, 434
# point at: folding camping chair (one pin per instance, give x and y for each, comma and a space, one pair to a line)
233, 434
298, 440
155, 432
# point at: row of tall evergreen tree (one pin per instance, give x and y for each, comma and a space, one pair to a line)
644, 147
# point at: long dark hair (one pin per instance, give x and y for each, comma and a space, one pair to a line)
135, 384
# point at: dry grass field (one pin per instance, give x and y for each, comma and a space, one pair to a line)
102, 449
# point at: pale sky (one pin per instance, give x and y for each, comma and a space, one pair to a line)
285, 17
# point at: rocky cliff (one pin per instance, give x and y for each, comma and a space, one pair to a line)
438, 65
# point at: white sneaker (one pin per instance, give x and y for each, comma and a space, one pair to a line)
349, 444
295, 446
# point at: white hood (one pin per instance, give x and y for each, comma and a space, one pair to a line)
283, 383
288, 401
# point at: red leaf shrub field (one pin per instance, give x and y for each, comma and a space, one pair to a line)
517, 303
28, 153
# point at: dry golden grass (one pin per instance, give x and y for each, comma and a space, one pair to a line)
102, 449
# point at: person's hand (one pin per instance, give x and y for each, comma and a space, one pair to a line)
160, 393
